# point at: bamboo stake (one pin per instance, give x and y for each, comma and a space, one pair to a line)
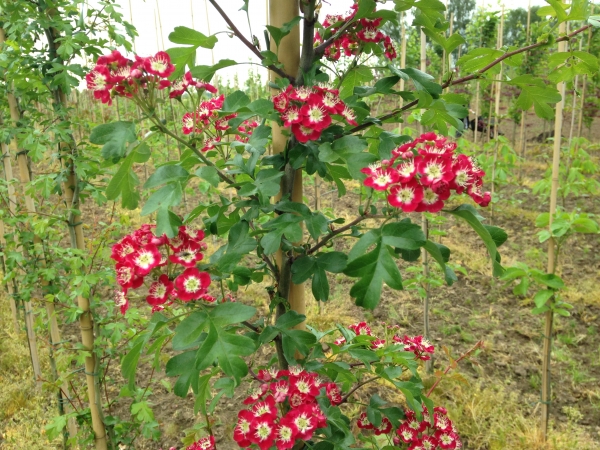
524, 113
551, 267
497, 113
425, 227
86, 325
583, 89
402, 60
10, 287
573, 103
21, 156
281, 12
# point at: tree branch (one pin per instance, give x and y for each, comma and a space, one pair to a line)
453, 364
473, 76
356, 388
320, 49
337, 231
247, 43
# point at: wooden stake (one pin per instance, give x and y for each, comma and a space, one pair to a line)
551, 267
402, 59
280, 12
10, 287
497, 112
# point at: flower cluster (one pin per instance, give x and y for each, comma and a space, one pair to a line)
143, 257
427, 434
417, 344
421, 175
265, 425
114, 75
354, 36
418, 435
308, 110
205, 443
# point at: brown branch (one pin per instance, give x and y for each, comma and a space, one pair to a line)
247, 43
320, 49
356, 388
453, 364
337, 231
473, 76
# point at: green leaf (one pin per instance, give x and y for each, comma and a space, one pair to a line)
125, 180
423, 81
477, 59
434, 250
541, 297
355, 77
209, 174
373, 269
334, 262
189, 36
404, 235
166, 174
189, 330
114, 138
167, 222
535, 92
206, 73
169, 195
303, 268
235, 101
465, 213
267, 183
279, 33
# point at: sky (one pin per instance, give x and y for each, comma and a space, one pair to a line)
154, 32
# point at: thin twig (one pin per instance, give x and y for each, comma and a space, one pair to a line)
453, 364
356, 388
247, 43
337, 231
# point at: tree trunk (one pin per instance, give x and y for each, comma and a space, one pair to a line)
281, 12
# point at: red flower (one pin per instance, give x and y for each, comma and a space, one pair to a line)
380, 178
265, 408
446, 440
205, 443
160, 290
127, 277
145, 259
429, 442
406, 433
281, 102
333, 393
305, 134
363, 422
285, 434
378, 343
384, 428
302, 422
187, 255
431, 201
243, 428
406, 196
262, 433
361, 328
121, 301
98, 80
191, 284
159, 64
434, 169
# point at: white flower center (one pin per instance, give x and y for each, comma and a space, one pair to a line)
145, 260
192, 284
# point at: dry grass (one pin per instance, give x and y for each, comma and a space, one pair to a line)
490, 417
23, 413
